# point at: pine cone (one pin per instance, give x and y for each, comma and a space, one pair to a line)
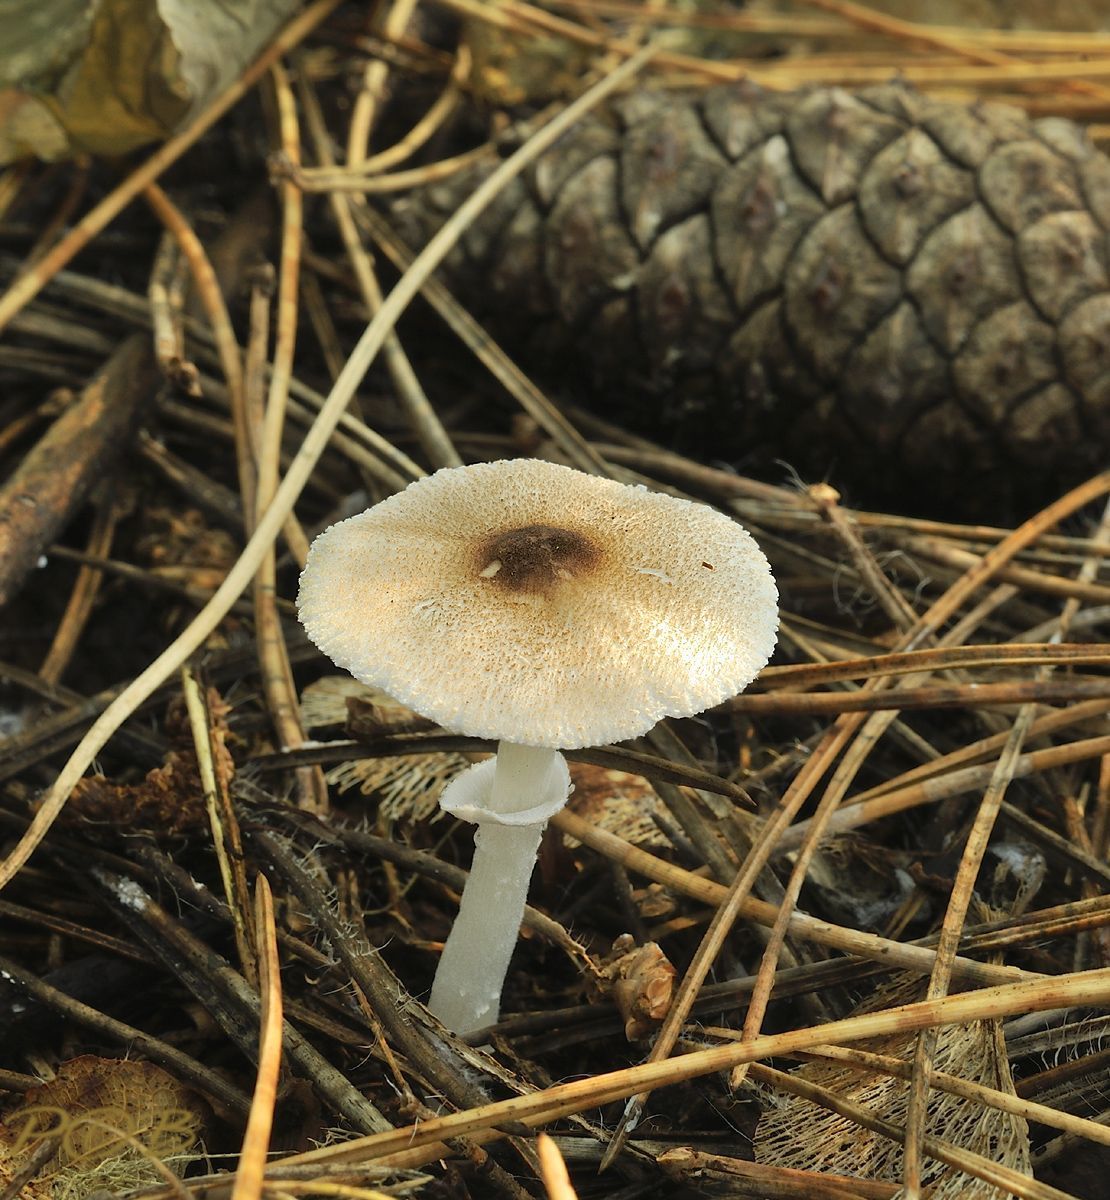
902, 290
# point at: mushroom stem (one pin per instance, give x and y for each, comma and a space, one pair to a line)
510, 799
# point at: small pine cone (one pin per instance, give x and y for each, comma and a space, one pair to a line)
904, 291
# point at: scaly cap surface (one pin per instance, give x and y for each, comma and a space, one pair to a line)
530, 602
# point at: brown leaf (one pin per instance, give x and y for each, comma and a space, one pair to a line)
642, 985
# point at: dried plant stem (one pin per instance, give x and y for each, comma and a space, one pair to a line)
615, 758
1093, 843
28, 286
289, 273
325, 1187
273, 654
251, 1170
944, 787
949, 938
878, 22
83, 597
165, 316
952, 77
71, 929
782, 1183
772, 22
952, 925
978, 573
853, 941
431, 1053
937, 696
226, 839
420, 862
765, 978
215, 308
835, 741
315, 441
1053, 721
444, 105
431, 435
337, 179
312, 297
374, 80
1087, 987
734, 903
228, 997
1024, 577
255, 364
524, 18
55, 475
890, 598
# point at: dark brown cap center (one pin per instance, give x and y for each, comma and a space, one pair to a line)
535, 557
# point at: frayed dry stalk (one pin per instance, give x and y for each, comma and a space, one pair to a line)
1018, 654
250, 1173
264, 410
226, 839
1081, 988
109, 510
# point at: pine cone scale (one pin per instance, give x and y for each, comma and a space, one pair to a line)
822, 276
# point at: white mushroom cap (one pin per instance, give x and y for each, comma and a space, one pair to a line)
529, 602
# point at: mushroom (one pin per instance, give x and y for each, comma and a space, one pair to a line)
546, 609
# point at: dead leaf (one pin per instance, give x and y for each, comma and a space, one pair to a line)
641, 984
109, 76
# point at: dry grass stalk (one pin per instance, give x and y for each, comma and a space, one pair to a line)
251, 1169
226, 838
433, 438
1090, 987
554, 1171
